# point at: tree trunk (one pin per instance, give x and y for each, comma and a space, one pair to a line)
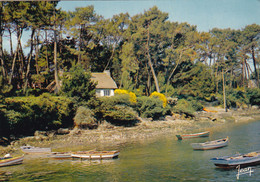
55, 64
243, 71
224, 91
46, 42
21, 57
29, 62
254, 61
11, 42
14, 59
80, 42
37, 53
1, 42
150, 62
168, 80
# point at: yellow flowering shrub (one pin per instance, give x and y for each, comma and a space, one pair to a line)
131, 94
160, 96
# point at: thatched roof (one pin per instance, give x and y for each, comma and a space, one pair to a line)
104, 80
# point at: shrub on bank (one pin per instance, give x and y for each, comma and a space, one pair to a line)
161, 97
253, 96
117, 110
187, 108
150, 107
24, 115
84, 118
132, 96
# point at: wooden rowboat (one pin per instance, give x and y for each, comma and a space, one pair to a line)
95, 154
35, 150
242, 160
211, 144
11, 161
195, 135
60, 155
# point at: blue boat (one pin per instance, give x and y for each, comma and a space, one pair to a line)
244, 160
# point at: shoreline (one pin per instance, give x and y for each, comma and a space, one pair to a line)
109, 137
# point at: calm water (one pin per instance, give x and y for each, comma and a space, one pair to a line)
164, 159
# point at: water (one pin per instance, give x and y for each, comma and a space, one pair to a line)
163, 159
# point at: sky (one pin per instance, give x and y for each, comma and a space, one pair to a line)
205, 14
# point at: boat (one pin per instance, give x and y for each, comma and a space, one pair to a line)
8, 161
35, 150
195, 135
60, 155
95, 154
242, 160
210, 144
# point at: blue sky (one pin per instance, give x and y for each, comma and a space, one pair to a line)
205, 14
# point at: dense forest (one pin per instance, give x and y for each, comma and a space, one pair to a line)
146, 54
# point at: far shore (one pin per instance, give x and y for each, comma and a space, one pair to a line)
109, 137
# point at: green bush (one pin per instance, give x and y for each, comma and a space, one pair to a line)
4, 129
150, 107
186, 107
24, 115
253, 96
84, 118
5, 88
117, 110
31, 91
234, 98
77, 84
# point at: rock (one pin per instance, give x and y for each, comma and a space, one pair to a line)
63, 131
169, 118
41, 138
75, 131
214, 119
255, 107
40, 133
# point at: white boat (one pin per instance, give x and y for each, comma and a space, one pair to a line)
31, 149
210, 144
8, 161
194, 135
95, 154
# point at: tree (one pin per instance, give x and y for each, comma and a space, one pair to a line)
251, 34
78, 23
77, 84
147, 32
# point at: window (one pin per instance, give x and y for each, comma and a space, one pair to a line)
106, 92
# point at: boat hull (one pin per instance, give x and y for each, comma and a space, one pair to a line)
243, 160
235, 166
35, 150
210, 145
60, 155
195, 135
96, 155
11, 161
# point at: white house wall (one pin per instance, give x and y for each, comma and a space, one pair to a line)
101, 92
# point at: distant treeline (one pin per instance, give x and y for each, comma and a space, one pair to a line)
145, 51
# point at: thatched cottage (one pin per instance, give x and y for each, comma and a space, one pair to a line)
105, 84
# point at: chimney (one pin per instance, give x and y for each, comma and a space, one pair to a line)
107, 72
